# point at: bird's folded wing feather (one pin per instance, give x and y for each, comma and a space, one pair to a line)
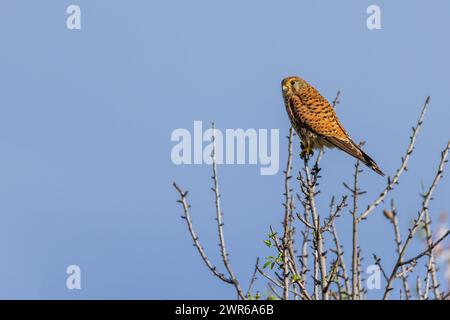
316, 114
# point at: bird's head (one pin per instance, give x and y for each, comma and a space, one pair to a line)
292, 84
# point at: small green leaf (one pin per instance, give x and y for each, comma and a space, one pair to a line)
296, 278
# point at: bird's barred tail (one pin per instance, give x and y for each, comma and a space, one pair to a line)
354, 150
368, 161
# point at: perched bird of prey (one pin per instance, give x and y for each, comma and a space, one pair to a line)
316, 123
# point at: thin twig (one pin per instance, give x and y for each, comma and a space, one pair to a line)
274, 291
201, 251
419, 288
287, 242
398, 242
292, 265
308, 186
340, 255
355, 193
425, 252
425, 203
335, 214
304, 257
402, 168
336, 99
378, 263
253, 279
223, 249
404, 276
279, 285
446, 296
431, 267
305, 222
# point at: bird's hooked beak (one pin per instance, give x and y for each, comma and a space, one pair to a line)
284, 86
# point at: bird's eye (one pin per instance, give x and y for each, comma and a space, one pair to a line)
292, 82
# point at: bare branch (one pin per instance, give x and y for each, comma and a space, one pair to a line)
425, 203
425, 252
446, 296
305, 222
419, 288
392, 217
223, 249
355, 192
253, 279
335, 214
288, 207
378, 263
402, 168
292, 266
304, 256
274, 291
278, 284
187, 218
336, 99
431, 267
340, 255
308, 186
333, 272
405, 271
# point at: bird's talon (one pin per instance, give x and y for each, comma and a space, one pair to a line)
306, 153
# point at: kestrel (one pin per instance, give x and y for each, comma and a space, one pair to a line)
316, 123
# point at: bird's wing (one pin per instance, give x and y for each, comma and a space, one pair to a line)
316, 114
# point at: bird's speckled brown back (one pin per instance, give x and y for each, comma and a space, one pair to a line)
316, 112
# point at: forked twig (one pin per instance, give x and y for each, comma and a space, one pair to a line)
201, 251
425, 203
403, 166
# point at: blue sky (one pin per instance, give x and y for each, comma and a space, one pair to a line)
86, 117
